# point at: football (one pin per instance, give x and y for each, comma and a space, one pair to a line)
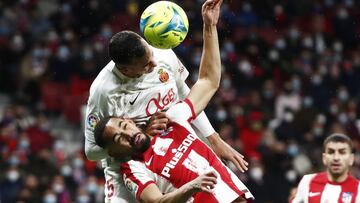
164, 24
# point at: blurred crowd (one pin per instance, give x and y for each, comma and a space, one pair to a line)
291, 76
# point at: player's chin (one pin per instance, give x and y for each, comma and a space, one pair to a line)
337, 170
143, 144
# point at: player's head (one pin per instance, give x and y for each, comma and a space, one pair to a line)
121, 137
131, 54
338, 155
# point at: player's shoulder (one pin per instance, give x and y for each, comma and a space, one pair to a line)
164, 54
353, 179
309, 177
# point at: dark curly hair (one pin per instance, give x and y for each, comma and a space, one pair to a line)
99, 132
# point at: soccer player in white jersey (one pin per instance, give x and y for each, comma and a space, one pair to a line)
139, 81
170, 160
335, 185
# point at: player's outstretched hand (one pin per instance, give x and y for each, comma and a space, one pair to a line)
157, 123
227, 153
204, 183
211, 11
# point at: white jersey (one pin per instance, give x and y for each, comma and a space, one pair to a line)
317, 188
176, 157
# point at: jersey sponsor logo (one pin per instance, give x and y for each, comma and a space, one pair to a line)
313, 194
92, 121
131, 186
196, 163
163, 75
159, 103
133, 101
346, 197
178, 153
162, 145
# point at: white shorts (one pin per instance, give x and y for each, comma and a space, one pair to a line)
115, 190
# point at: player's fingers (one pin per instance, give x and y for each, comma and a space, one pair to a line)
160, 126
211, 174
160, 114
208, 184
240, 163
210, 181
162, 120
153, 132
207, 4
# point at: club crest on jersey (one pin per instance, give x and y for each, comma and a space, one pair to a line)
163, 75
346, 197
131, 186
167, 131
92, 121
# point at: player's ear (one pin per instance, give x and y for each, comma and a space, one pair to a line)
352, 159
323, 158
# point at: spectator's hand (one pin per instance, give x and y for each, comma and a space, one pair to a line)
157, 124
211, 11
204, 183
227, 153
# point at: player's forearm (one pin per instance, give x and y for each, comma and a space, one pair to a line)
209, 73
210, 67
183, 194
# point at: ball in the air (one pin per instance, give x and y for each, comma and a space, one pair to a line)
164, 24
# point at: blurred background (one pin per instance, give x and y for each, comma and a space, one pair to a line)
291, 76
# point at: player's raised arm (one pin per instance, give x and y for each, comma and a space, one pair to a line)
210, 66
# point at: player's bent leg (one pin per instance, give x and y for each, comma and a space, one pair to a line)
115, 190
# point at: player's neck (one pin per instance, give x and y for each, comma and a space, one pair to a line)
337, 178
129, 75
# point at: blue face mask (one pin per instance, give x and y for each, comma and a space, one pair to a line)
293, 150
50, 198
83, 199
91, 187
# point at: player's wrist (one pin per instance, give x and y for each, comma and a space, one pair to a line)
214, 138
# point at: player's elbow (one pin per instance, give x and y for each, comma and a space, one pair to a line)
93, 154
214, 84
90, 155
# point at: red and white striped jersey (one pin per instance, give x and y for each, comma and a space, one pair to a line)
316, 188
177, 157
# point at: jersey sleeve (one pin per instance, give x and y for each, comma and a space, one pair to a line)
97, 108
302, 189
181, 112
136, 177
180, 73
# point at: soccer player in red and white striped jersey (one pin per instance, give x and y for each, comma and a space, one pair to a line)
335, 185
168, 162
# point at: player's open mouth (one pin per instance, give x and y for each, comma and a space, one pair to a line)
137, 139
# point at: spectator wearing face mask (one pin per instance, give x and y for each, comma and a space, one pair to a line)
11, 185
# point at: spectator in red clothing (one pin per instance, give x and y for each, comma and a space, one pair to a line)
252, 133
